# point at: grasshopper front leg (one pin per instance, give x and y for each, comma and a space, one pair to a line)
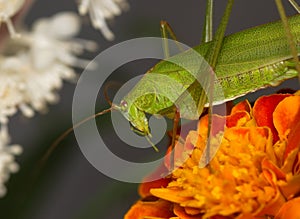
165, 30
211, 58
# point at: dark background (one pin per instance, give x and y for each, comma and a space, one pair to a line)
68, 187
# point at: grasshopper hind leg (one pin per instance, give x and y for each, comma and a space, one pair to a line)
166, 31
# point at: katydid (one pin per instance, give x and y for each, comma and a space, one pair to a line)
249, 60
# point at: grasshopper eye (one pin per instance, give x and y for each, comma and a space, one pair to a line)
123, 105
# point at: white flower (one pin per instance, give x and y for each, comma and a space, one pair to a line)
9, 8
31, 75
26, 88
30, 78
7, 158
10, 88
100, 10
52, 41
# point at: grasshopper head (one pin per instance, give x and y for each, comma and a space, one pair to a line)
137, 118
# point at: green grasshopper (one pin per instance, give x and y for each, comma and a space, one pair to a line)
249, 60
242, 67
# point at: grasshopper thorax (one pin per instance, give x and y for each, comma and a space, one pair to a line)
137, 118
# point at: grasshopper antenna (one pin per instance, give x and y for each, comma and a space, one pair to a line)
107, 86
68, 131
42, 161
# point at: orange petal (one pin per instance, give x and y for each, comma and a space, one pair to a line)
181, 153
290, 161
273, 206
144, 188
286, 115
192, 211
272, 173
218, 124
263, 110
169, 194
247, 216
250, 133
223, 217
292, 187
237, 119
268, 166
293, 140
182, 214
241, 106
290, 210
160, 209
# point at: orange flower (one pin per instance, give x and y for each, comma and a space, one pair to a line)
254, 171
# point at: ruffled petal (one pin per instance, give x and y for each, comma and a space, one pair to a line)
263, 111
156, 209
218, 123
170, 194
290, 210
286, 115
291, 185
293, 140
148, 184
181, 152
241, 106
183, 214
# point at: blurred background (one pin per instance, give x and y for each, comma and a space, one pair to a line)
68, 186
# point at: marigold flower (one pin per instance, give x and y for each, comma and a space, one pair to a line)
254, 171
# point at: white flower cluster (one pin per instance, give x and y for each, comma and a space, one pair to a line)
31, 75
34, 64
30, 78
7, 159
102, 10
